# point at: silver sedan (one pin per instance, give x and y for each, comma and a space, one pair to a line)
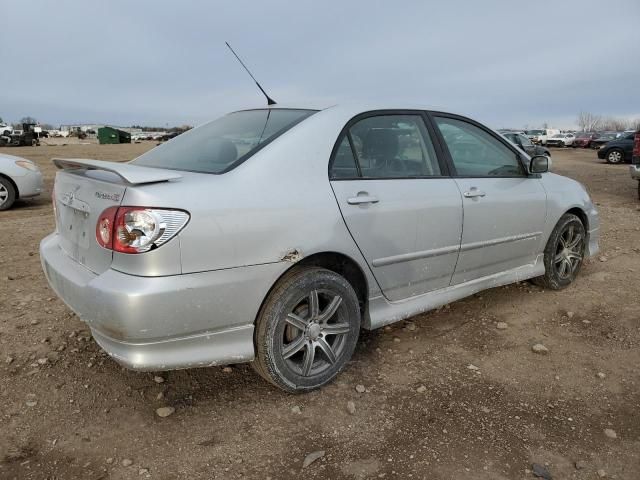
274, 235
19, 179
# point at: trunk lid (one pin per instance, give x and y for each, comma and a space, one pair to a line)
82, 191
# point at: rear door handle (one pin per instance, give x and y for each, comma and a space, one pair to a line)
474, 192
362, 198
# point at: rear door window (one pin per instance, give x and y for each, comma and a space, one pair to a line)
386, 146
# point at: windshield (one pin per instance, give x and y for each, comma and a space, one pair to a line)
218, 146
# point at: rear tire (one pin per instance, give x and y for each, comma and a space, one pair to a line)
563, 254
7, 194
307, 329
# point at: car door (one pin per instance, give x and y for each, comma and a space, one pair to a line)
398, 202
504, 207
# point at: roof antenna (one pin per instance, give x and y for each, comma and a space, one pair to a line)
270, 101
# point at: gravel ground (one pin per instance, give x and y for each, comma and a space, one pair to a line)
455, 393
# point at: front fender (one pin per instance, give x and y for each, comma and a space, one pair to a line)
564, 195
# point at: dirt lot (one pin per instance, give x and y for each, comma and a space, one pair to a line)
68, 411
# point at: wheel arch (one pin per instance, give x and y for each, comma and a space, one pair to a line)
13, 183
581, 214
336, 262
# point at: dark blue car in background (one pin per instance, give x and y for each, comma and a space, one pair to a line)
619, 150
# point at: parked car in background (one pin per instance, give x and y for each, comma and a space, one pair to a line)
19, 179
534, 135
525, 144
5, 129
618, 150
603, 138
540, 136
584, 139
635, 160
327, 222
168, 136
561, 140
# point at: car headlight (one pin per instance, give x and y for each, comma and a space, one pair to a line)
28, 164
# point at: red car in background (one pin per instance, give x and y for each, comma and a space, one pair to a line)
584, 139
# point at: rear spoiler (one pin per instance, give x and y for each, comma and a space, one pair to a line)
132, 174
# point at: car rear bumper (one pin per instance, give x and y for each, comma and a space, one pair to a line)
164, 323
635, 172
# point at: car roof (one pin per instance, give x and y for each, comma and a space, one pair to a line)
356, 107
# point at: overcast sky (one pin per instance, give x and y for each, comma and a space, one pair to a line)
506, 63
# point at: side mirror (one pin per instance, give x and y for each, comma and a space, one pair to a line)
539, 164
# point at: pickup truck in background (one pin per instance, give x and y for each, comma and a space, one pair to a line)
540, 136
635, 161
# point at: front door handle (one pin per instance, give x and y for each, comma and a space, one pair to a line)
362, 198
473, 193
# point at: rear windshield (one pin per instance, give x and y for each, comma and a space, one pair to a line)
218, 146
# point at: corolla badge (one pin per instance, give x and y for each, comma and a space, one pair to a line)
108, 196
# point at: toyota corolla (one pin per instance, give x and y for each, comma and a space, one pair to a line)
274, 235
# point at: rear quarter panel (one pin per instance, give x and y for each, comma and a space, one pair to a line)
278, 206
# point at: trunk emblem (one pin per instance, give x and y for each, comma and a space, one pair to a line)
108, 196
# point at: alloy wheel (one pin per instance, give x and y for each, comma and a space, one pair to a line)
4, 194
614, 156
315, 333
569, 251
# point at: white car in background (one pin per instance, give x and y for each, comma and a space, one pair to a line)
5, 129
19, 178
540, 136
561, 140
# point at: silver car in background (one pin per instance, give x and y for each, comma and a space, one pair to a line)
274, 235
19, 179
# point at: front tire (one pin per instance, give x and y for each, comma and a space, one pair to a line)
307, 329
614, 156
7, 194
563, 254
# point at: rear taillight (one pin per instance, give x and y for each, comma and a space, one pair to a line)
138, 229
104, 227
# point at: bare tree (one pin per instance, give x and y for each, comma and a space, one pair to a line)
635, 124
588, 122
28, 119
615, 124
